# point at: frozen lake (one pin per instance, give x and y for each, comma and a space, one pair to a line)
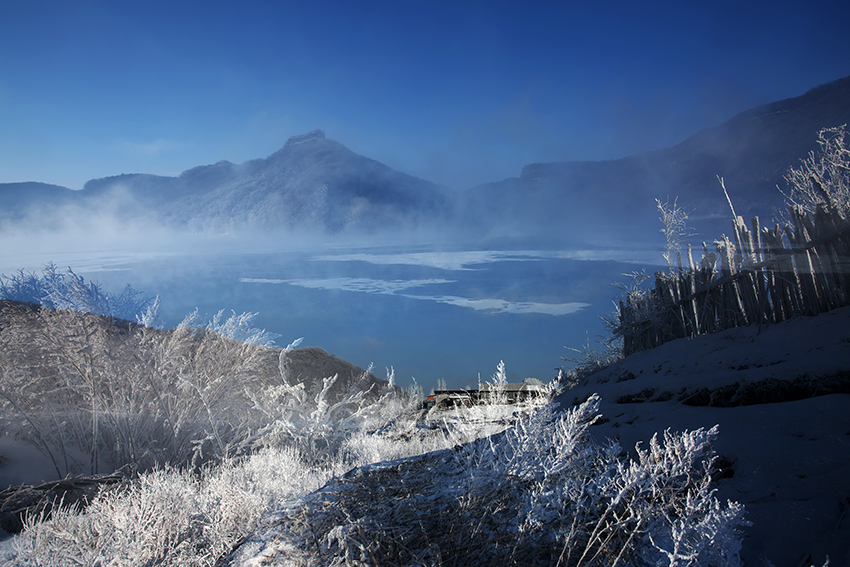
431, 313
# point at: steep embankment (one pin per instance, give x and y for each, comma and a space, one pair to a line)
780, 396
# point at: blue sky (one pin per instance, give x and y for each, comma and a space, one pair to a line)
458, 92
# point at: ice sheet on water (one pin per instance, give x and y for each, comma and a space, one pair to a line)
364, 285
393, 287
458, 260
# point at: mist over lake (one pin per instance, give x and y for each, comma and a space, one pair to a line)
428, 312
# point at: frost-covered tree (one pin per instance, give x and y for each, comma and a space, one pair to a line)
496, 389
823, 177
674, 228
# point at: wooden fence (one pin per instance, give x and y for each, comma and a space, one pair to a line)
766, 275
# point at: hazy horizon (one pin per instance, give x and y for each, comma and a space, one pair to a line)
457, 94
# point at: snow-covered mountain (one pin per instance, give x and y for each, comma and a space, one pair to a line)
312, 182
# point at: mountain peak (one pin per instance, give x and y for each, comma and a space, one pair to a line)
314, 136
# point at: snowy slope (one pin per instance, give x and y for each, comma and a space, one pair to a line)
787, 461
781, 397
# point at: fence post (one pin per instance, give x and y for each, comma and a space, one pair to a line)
759, 279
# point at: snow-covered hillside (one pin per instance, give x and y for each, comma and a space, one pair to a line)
781, 398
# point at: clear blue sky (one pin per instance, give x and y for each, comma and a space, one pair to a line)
459, 92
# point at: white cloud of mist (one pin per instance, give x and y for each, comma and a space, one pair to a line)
105, 237
101, 244
114, 230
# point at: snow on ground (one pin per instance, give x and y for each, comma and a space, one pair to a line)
790, 460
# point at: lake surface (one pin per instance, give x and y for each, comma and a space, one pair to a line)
448, 313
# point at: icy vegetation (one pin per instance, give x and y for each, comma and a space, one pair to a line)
96, 394
67, 290
232, 455
225, 445
541, 493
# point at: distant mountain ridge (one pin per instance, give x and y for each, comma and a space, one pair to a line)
752, 151
317, 183
312, 182
17, 198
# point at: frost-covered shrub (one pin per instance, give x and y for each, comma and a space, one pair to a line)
588, 360
322, 428
496, 392
579, 503
96, 395
823, 178
542, 493
170, 517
